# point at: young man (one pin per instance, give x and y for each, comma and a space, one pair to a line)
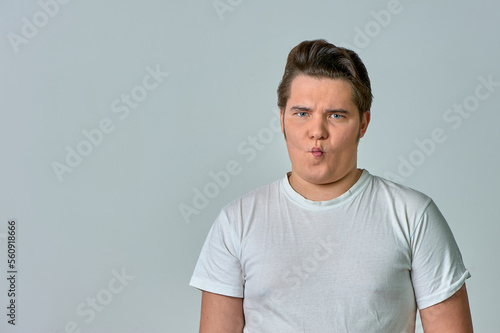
330, 248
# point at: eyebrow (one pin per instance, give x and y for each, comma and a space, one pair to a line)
300, 108
344, 111
305, 108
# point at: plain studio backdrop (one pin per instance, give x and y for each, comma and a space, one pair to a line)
127, 125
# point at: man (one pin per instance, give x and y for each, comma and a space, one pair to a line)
330, 248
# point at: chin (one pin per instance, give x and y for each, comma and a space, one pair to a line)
320, 179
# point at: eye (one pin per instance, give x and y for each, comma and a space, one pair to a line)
301, 114
337, 116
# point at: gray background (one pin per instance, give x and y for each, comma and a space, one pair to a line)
119, 210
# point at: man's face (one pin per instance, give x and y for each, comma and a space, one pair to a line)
322, 128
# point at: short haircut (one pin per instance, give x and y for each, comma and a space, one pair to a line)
320, 59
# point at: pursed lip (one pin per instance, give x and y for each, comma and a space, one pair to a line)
317, 152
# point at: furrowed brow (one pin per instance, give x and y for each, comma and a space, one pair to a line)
300, 108
344, 111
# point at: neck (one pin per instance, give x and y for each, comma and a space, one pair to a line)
324, 192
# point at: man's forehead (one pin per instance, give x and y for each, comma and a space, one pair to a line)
312, 90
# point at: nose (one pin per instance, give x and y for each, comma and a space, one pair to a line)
318, 128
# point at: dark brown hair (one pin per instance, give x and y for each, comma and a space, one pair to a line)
320, 59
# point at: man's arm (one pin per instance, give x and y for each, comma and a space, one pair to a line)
221, 313
451, 315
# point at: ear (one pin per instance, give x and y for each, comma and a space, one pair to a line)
365, 120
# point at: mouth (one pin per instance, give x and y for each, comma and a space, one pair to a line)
317, 152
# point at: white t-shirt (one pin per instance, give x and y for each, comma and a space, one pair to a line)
362, 262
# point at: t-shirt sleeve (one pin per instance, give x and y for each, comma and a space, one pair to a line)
218, 269
438, 270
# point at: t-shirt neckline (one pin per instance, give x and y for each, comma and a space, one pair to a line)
350, 194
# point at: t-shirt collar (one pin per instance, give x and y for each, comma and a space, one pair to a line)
351, 193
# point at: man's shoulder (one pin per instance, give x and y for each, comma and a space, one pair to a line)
399, 192
259, 194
